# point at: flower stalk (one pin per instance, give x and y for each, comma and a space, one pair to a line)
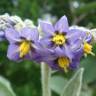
45, 77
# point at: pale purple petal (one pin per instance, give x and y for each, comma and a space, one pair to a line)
74, 35
46, 54
30, 34
12, 35
76, 45
47, 28
59, 52
30, 55
53, 65
43, 54
62, 25
77, 50
68, 51
13, 53
74, 64
64, 51
46, 42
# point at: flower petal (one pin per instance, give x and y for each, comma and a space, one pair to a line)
62, 25
47, 28
30, 55
64, 51
75, 34
12, 35
68, 52
74, 64
30, 33
46, 42
77, 50
59, 52
53, 65
13, 53
43, 53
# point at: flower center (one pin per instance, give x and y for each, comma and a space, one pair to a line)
63, 62
59, 39
24, 48
88, 49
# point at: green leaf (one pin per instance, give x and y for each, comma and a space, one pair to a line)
57, 83
5, 88
89, 64
73, 87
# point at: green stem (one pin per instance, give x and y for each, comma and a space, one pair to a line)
46, 74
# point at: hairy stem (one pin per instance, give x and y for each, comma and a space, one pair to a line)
46, 74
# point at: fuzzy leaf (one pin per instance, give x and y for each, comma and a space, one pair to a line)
57, 83
5, 88
73, 87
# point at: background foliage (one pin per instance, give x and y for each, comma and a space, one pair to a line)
25, 76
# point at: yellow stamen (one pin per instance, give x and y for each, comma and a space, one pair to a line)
64, 62
24, 48
59, 39
88, 49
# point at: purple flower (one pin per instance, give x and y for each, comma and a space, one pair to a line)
64, 42
61, 46
84, 40
5, 22
22, 44
59, 35
68, 44
61, 60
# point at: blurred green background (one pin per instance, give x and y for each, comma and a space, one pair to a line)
25, 76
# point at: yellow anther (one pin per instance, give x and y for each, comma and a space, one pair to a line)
59, 39
24, 48
88, 49
63, 62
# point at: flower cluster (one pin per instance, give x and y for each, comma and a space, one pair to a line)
60, 46
7, 21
